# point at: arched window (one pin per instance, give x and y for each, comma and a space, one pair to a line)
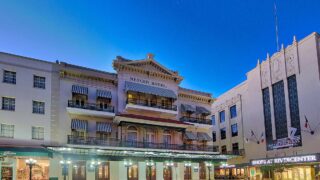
132, 134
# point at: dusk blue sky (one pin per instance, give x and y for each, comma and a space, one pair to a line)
211, 43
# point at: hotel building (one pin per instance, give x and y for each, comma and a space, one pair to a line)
80, 123
273, 116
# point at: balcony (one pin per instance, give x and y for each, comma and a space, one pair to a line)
239, 152
111, 142
90, 109
151, 105
196, 120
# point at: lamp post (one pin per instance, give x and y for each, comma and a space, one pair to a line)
127, 164
188, 166
209, 165
149, 165
65, 168
170, 164
93, 165
30, 162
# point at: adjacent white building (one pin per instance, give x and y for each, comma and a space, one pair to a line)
277, 108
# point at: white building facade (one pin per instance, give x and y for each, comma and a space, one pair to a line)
277, 107
81, 123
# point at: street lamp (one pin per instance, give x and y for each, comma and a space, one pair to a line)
127, 164
188, 165
65, 168
149, 165
209, 165
93, 165
30, 162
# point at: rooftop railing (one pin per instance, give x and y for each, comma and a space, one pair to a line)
196, 120
90, 106
151, 103
137, 144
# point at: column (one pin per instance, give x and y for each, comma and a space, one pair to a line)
90, 171
195, 171
55, 168
159, 169
142, 170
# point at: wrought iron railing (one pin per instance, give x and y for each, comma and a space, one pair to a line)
152, 103
137, 144
196, 120
239, 152
90, 106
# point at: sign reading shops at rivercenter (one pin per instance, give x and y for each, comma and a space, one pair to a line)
280, 160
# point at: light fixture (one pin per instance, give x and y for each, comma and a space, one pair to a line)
150, 163
187, 164
169, 163
127, 163
30, 162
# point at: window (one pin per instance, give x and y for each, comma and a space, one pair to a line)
233, 111
224, 149
8, 103
279, 104
222, 116
214, 136
223, 133
37, 107
9, 77
6, 130
39, 82
235, 148
294, 103
103, 171
234, 130
38, 133
267, 116
213, 119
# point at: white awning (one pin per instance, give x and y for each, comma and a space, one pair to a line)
202, 110
190, 135
131, 86
187, 108
78, 124
104, 94
202, 136
79, 89
103, 127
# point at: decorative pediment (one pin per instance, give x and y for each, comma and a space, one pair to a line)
148, 66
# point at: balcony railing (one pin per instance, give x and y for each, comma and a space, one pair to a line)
90, 106
239, 152
136, 144
196, 120
151, 103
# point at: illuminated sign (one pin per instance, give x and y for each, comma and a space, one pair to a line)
292, 159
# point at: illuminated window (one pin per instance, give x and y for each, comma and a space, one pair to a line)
6, 130
38, 133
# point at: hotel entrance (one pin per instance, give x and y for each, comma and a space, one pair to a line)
296, 173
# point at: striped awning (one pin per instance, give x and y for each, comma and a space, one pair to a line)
103, 127
79, 89
131, 86
202, 136
104, 94
78, 124
202, 110
190, 135
187, 108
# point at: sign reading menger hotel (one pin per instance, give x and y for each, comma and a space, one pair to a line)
147, 82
